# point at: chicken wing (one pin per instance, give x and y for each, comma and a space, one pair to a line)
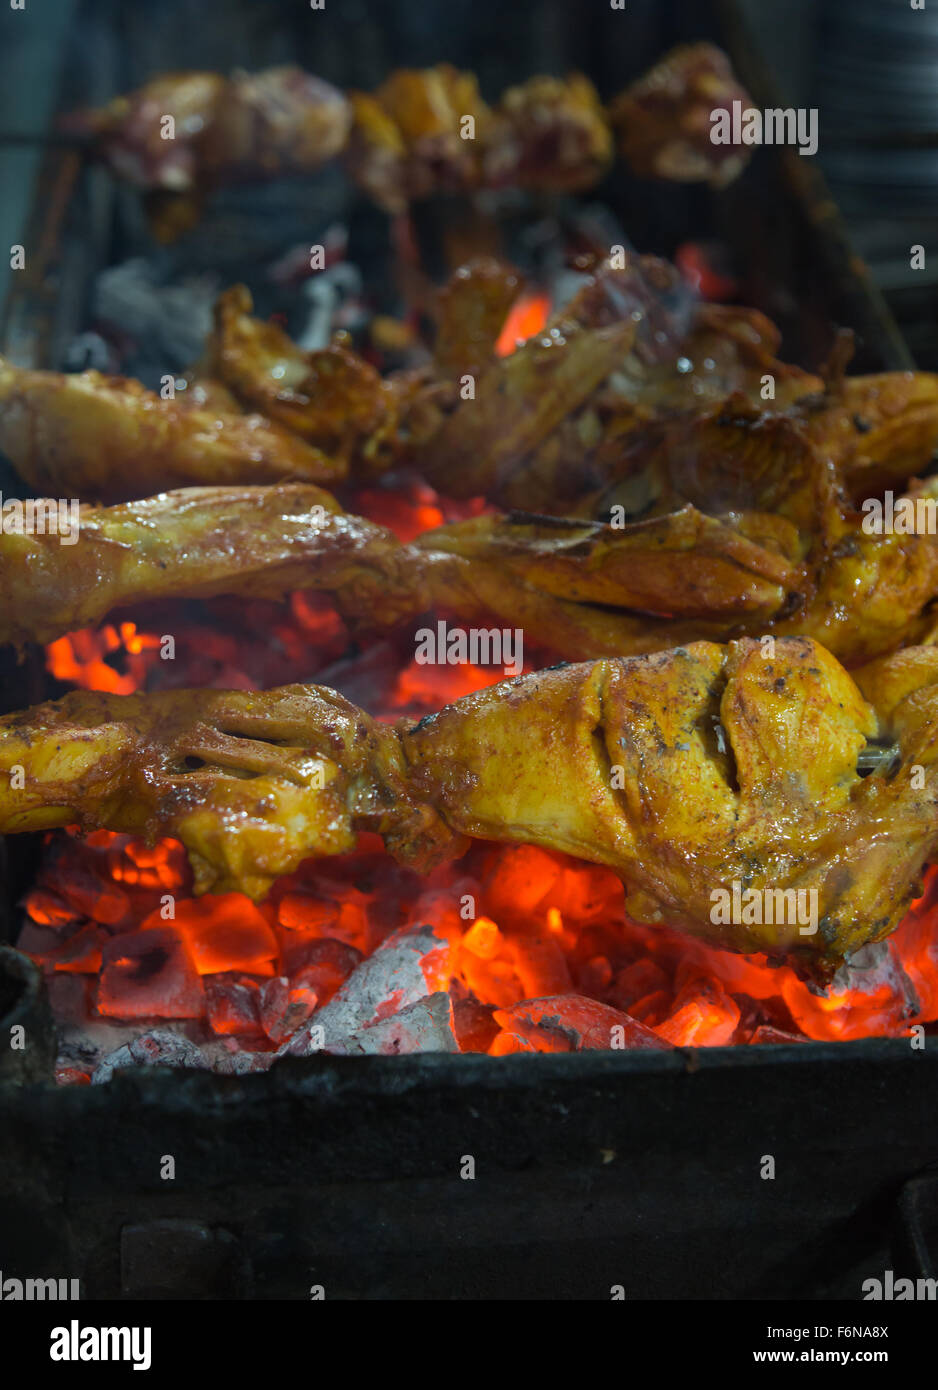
698, 774
332, 398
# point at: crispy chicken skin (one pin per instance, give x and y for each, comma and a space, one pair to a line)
109, 438
685, 772
332, 398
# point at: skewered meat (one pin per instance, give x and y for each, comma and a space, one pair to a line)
332, 398
693, 773
421, 132
565, 414
677, 360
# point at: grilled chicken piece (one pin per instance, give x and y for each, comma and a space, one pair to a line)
549, 133
565, 413
251, 783
249, 126
335, 400
470, 311
408, 139
690, 773
663, 121
107, 438
865, 433
331, 398
680, 361
880, 430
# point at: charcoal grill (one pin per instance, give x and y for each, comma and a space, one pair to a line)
592, 1170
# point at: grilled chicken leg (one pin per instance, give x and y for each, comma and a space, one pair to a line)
695, 772
580, 589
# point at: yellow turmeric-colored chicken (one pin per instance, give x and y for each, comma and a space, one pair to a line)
697, 773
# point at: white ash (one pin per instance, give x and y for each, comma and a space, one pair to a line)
426, 1026
388, 981
874, 965
158, 1048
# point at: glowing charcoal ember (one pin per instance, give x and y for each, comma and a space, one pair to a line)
520, 879
526, 317
154, 1049
232, 1005
765, 1033
573, 1023
322, 965
705, 1016
149, 974
78, 953
870, 996
409, 965
426, 1026
427, 688
483, 939
284, 1007
72, 1076
917, 945
594, 976
303, 912
84, 884
700, 265
539, 964
637, 981
474, 1025
406, 516
48, 909
224, 931
103, 902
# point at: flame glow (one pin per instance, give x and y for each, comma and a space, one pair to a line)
526, 317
